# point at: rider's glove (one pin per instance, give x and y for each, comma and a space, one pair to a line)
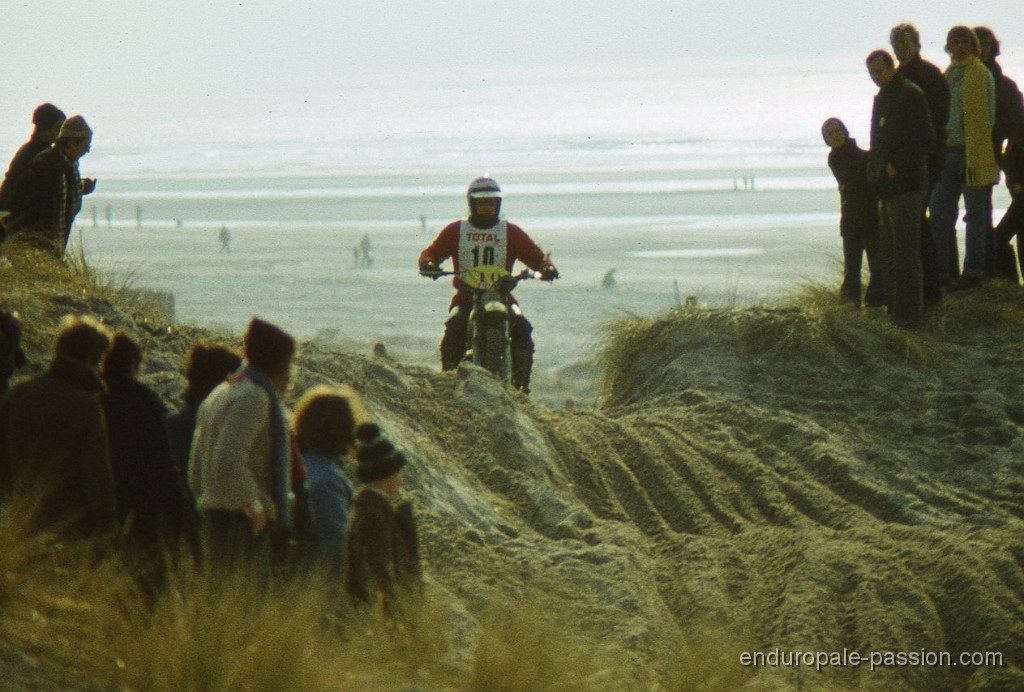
430, 269
548, 272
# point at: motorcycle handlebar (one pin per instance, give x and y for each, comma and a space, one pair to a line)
510, 281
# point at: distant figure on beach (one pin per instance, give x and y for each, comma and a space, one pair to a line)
382, 562
46, 122
906, 44
485, 239
858, 214
1009, 119
208, 364
325, 425
138, 216
365, 248
901, 139
154, 507
240, 468
225, 239
44, 204
53, 440
608, 282
970, 164
109, 213
1012, 223
423, 224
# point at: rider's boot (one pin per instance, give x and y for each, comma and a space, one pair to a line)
453, 343
521, 342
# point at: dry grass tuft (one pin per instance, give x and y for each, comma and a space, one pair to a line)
810, 329
534, 647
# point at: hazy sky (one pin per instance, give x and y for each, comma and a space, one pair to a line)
105, 54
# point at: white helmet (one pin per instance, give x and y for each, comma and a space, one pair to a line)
484, 187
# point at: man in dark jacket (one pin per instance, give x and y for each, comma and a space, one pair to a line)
906, 44
45, 202
1012, 223
1009, 101
46, 121
1008, 121
154, 506
54, 458
902, 136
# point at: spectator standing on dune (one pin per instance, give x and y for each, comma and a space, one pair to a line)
1008, 121
969, 165
382, 563
1012, 223
901, 139
208, 365
53, 439
858, 219
46, 122
44, 205
154, 507
241, 460
906, 44
325, 424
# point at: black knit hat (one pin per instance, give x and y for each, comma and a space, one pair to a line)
46, 115
268, 347
378, 458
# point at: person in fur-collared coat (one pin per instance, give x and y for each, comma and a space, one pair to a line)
382, 564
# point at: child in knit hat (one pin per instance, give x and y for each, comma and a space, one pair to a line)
382, 564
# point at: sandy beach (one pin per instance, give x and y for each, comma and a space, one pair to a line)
667, 239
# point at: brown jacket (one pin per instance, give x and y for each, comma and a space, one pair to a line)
53, 451
382, 550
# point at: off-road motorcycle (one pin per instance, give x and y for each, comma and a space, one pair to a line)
487, 337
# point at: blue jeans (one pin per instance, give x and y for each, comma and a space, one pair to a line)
944, 211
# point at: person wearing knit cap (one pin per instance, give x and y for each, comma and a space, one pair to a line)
46, 121
45, 203
241, 463
382, 564
858, 215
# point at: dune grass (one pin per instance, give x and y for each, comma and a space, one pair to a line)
811, 327
77, 608
42, 288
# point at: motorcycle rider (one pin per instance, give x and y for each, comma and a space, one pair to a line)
485, 239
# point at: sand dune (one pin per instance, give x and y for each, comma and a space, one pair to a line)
759, 479
810, 481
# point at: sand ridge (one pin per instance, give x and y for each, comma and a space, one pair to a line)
730, 491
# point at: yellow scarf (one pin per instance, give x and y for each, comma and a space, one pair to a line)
982, 168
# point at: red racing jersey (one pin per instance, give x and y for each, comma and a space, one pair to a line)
468, 246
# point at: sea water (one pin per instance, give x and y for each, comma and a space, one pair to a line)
649, 191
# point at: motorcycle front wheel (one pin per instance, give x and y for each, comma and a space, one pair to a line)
493, 352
